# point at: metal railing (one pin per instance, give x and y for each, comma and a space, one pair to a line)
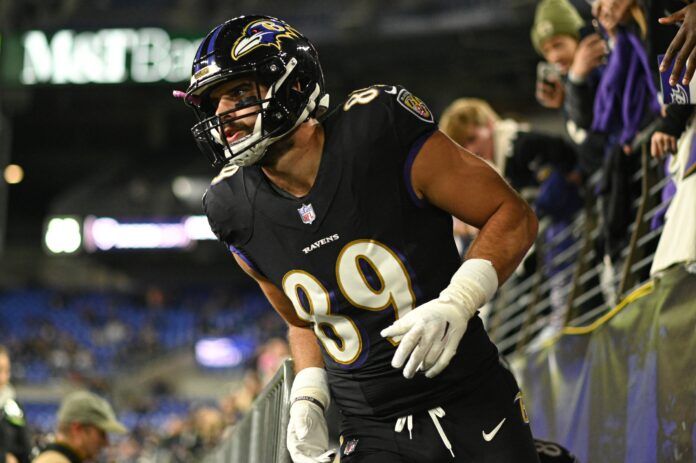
260, 436
578, 285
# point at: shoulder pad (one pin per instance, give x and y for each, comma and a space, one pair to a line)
227, 207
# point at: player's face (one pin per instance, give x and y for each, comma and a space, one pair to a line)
478, 139
238, 93
560, 50
5, 369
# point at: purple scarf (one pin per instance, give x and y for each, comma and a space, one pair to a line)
624, 90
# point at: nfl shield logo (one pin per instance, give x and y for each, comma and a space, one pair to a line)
307, 213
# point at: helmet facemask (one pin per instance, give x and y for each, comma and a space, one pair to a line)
289, 81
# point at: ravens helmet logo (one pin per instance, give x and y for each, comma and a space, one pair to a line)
261, 33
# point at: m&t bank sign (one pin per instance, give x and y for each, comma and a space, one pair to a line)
107, 56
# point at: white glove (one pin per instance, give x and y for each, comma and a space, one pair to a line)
431, 332
308, 436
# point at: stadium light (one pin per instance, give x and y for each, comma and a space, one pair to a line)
224, 351
108, 233
62, 235
198, 228
181, 187
13, 174
67, 234
218, 353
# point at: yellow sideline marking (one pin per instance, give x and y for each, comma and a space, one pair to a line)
639, 292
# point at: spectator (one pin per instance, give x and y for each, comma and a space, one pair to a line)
84, 421
557, 35
208, 426
13, 428
625, 103
677, 243
270, 357
627, 97
521, 155
506, 143
664, 142
251, 387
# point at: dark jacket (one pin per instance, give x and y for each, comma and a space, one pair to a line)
13, 431
675, 120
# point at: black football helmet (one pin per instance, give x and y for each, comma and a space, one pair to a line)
273, 54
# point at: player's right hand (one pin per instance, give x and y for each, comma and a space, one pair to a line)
307, 434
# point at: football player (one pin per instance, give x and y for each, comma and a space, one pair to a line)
343, 217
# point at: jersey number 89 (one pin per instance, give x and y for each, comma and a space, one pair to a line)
394, 289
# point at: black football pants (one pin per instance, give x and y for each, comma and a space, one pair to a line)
471, 424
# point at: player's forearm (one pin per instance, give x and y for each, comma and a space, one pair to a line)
506, 237
304, 347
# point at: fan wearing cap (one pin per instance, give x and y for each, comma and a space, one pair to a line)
84, 421
574, 53
573, 50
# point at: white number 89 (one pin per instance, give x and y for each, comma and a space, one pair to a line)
394, 290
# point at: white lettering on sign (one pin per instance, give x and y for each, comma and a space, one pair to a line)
105, 57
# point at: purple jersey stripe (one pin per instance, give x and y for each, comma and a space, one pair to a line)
246, 260
413, 152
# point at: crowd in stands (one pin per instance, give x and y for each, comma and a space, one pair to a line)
53, 334
91, 338
601, 75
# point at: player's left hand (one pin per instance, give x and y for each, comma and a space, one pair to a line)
430, 335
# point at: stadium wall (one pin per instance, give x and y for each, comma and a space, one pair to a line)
622, 389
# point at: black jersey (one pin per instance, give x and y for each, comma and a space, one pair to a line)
360, 250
